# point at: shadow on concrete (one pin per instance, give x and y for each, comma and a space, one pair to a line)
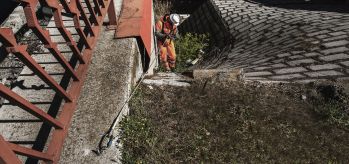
6, 8
341, 6
45, 130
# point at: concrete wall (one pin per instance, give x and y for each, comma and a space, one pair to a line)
280, 44
153, 63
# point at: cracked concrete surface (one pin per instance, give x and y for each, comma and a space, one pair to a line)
106, 88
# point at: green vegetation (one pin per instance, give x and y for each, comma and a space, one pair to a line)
189, 45
137, 137
188, 48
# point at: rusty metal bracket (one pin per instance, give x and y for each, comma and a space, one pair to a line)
136, 21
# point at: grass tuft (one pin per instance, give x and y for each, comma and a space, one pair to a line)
188, 48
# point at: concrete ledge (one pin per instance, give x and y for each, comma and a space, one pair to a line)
116, 67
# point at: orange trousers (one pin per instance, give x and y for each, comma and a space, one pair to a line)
167, 54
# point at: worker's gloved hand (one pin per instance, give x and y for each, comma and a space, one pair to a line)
160, 35
172, 37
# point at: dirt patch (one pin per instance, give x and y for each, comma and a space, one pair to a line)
228, 122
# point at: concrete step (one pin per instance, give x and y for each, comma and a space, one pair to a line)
172, 79
184, 79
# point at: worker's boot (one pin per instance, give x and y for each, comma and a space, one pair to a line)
166, 67
172, 65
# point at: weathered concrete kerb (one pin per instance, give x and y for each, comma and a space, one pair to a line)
107, 87
273, 43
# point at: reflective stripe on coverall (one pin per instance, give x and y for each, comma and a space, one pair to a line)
166, 46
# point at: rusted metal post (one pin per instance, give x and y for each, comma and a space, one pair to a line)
58, 136
30, 152
93, 13
65, 33
85, 17
6, 153
20, 52
29, 107
137, 21
112, 15
44, 35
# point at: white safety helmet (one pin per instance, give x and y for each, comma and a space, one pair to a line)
175, 19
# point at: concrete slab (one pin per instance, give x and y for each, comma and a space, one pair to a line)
229, 74
168, 79
105, 90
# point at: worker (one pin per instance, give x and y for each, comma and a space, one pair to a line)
166, 33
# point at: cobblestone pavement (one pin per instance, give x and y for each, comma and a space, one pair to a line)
277, 44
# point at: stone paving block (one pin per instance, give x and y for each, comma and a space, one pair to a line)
256, 78
346, 63
290, 70
258, 73
283, 55
338, 33
340, 56
278, 65
318, 33
324, 73
336, 43
322, 36
335, 50
324, 66
261, 68
302, 61
341, 28
336, 38
347, 23
278, 61
287, 77
312, 54
296, 57
263, 60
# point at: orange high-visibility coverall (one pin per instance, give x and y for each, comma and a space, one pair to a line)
166, 45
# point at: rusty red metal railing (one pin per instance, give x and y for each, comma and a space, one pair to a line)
88, 34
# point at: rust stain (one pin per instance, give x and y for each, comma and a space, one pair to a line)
136, 21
